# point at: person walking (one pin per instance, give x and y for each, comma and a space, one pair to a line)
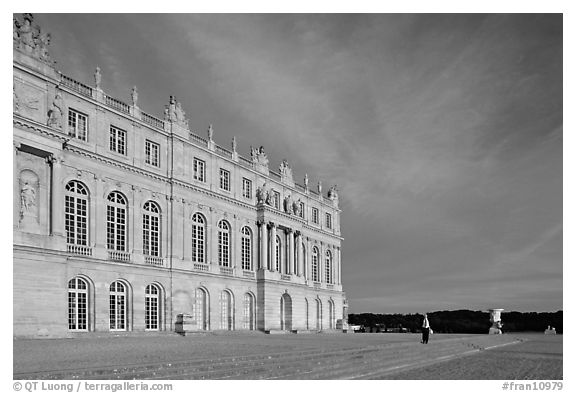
425, 330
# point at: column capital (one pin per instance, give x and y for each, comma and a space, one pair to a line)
272, 224
288, 230
297, 233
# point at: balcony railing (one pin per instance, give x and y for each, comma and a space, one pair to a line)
119, 256
75, 85
201, 266
248, 273
245, 161
226, 270
329, 286
285, 277
198, 139
153, 121
117, 104
317, 285
223, 152
156, 261
79, 250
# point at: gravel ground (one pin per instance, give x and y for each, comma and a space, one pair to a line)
538, 358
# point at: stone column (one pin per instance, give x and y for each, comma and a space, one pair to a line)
339, 282
299, 256
308, 259
263, 245
290, 252
272, 246
57, 198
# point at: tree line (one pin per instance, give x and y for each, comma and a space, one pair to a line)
459, 321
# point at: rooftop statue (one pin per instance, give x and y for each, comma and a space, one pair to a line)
306, 182
134, 96
97, 77
285, 170
234, 145
320, 188
173, 112
210, 132
258, 156
27, 37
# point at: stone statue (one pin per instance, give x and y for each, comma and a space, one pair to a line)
261, 193
16, 35
234, 146
258, 156
26, 33
288, 204
97, 77
296, 207
56, 110
172, 109
320, 187
306, 182
285, 170
43, 42
270, 197
27, 198
333, 192
134, 96
210, 132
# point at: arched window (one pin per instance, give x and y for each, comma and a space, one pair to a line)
201, 309
152, 312
78, 304
76, 213
278, 251
328, 267
151, 229
198, 238
118, 306
226, 311
224, 244
246, 248
249, 312
331, 314
116, 219
305, 262
315, 275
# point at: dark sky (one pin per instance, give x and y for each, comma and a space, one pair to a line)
443, 132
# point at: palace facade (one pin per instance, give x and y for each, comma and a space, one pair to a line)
124, 221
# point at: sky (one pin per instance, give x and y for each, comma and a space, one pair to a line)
443, 132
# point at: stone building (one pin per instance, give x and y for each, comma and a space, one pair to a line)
123, 220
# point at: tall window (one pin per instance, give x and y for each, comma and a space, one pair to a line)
77, 124
301, 212
224, 244
76, 213
77, 304
331, 324
246, 188
318, 314
118, 306
152, 307
199, 170
328, 267
315, 277
117, 140
315, 215
278, 250
152, 152
246, 248
224, 179
226, 311
151, 229
328, 220
198, 238
116, 221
